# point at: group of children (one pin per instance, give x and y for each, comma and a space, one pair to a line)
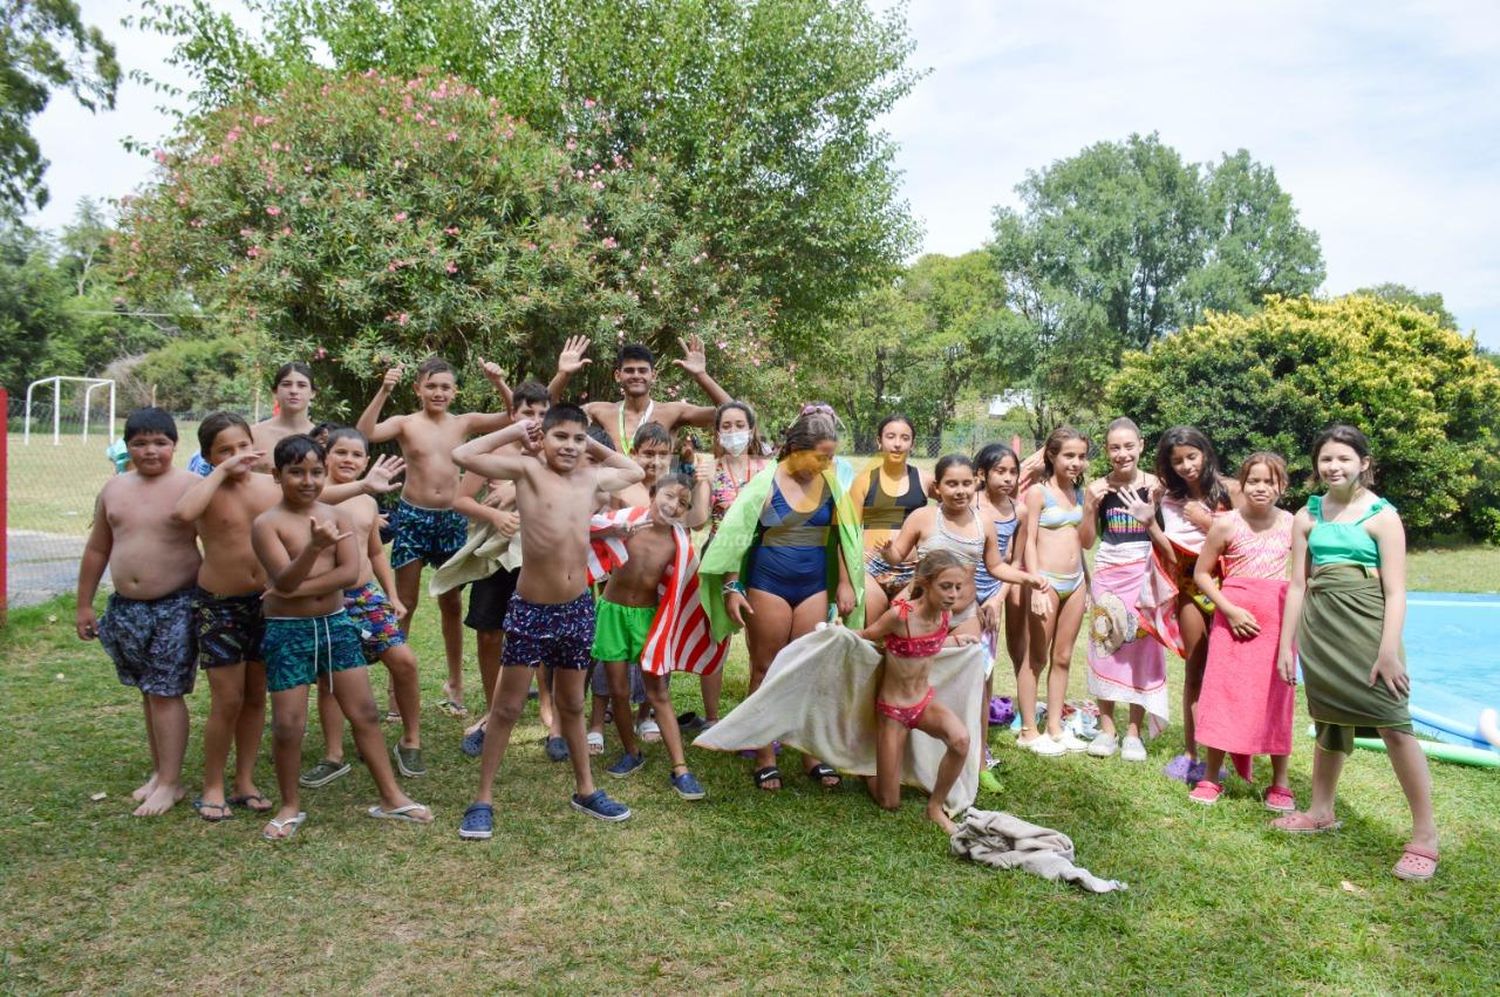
573, 529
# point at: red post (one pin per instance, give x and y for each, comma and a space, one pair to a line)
4, 507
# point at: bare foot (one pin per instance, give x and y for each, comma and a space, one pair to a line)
938, 817
145, 789
162, 799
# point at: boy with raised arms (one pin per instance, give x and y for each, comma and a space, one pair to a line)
227, 608
147, 629
635, 373
427, 529
551, 616
310, 556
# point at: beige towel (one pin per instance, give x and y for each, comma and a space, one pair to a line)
1005, 841
819, 697
485, 552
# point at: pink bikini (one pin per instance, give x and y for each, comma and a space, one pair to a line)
912, 646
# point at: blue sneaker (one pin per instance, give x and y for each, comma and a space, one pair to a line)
473, 745
628, 765
598, 804
478, 823
687, 786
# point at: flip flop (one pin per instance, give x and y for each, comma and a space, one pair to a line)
225, 812
1417, 864
249, 800
287, 825
1300, 823
402, 813
453, 709
765, 775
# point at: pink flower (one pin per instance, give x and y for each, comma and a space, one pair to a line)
273, 210
570, 144
452, 136
253, 252
609, 242
403, 318
275, 146
261, 119
400, 216
160, 155
215, 159
588, 103
233, 135
597, 185
286, 230
452, 267
451, 230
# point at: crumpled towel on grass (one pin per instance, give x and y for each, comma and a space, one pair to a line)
1005, 841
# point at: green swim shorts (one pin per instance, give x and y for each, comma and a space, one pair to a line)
298, 649
620, 631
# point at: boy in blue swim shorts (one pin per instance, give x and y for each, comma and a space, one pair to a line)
309, 636
550, 620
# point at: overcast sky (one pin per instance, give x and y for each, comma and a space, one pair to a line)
1381, 118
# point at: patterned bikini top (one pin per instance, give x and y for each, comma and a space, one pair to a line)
919, 645
971, 549
1054, 515
1266, 554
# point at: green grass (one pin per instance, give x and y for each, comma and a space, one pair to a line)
805, 891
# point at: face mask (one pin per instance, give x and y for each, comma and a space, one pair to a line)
735, 443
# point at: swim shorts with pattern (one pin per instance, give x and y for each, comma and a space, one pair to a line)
151, 642
298, 649
557, 634
229, 628
429, 535
371, 612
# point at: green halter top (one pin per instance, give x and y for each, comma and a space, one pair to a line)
1343, 543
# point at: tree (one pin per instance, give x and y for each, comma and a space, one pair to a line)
1402, 295
33, 301
1273, 379
44, 46
767, 108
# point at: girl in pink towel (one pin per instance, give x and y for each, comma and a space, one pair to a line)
1245, 707
912, 633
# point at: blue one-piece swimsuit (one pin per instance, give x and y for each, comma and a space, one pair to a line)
791, 561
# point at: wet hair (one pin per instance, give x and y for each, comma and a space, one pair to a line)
295, 448
434, 365
992, 454
215, 423
529, 393
295, 366
888, 420
150, 420
346, 433
635, 351
669, 480
1054, 445
1214, 493
564, 412
933, 563
950, 461
1350, 437
597, 433
757, 445
1274, 463
808, 431
1123, 422
651, 432
323, 429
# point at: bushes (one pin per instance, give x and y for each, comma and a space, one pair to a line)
197, 375
1273, 379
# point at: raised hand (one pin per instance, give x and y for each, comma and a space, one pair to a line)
243, 463
325, 533
379, 479
694, 360
494, 372
391, 379
532, 441
703, 468
571, 360
1140, 503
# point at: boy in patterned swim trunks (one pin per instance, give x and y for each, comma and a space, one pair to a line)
147, 627
226, 608
427, 530
374, 612
551, 616
310, 556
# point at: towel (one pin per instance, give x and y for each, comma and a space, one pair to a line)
485, 552
1005, 841
819, 697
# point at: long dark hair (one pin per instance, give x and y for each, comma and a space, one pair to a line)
1350, 437
1214, 493
816, 424
1053, 446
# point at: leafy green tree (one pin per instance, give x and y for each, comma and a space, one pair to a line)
768, 109
44, 47
1276, 377
1403, 295
33, 303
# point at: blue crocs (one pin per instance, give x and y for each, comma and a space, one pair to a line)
687, 786
478, 823
628, 765
473, 745
598, 804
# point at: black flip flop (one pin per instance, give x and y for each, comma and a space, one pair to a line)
248, 801
765, 775
225, 811
821, 771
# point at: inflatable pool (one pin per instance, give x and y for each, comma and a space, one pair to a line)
1453, 656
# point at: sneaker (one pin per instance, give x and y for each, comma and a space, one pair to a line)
1280, 799
478, 823
598, 804
687, 786
1206, 792
649, 731
473, 744
1132, 749
628, 765
323, 773
1044, 744
1104, 746
409, 761
1177, 769
1070, 741
989, 782
557, 749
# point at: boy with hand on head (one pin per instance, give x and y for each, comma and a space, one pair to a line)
147, 629
310, 557
427, 528
374, 611
635, 373
551, 616
293, 389
227, 610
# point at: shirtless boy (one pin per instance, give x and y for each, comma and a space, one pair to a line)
374, 612
293, 389
147, 629
635, 373
426, 527
226, 608
310, 556
551, 616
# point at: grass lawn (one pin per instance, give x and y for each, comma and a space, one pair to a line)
799, 892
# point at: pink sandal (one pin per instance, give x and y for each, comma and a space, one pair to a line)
1417, 864
1300, 823
1280, 799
